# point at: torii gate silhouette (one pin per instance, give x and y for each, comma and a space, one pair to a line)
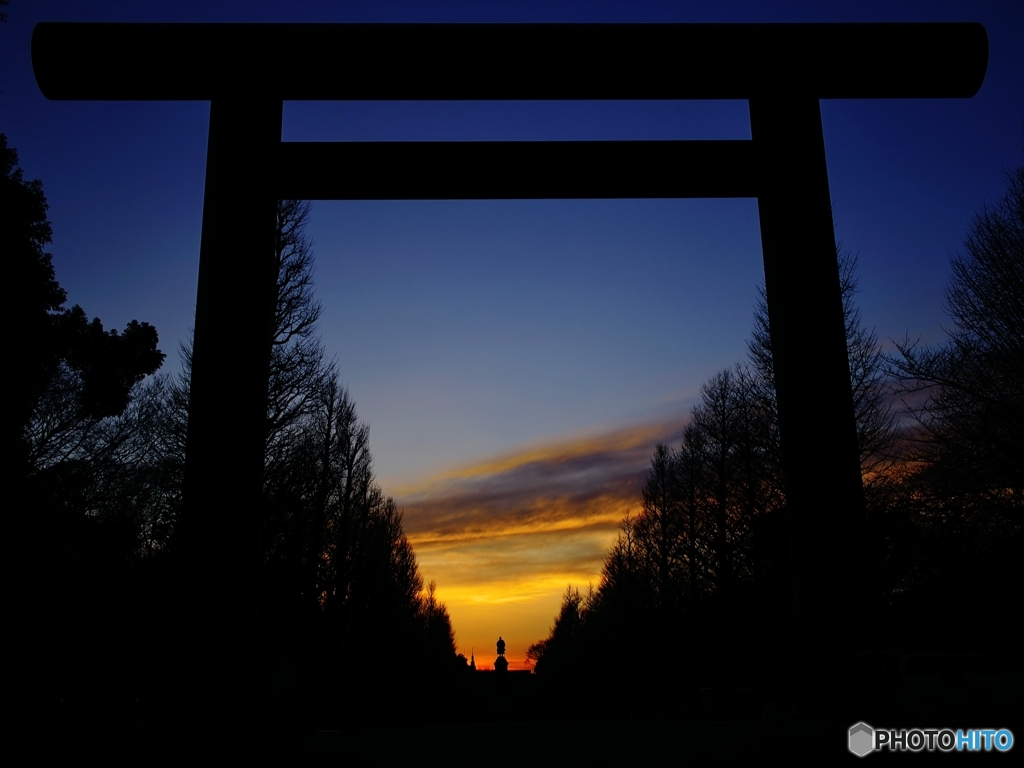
247, 71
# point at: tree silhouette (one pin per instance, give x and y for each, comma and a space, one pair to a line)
967, 396
75, 425
958, 505
71, 375
705, 557
338, 579
656, 530
77, 434
877, 429
24, 233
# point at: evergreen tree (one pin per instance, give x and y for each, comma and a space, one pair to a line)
74, 434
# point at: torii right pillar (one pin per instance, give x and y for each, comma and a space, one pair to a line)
825, 497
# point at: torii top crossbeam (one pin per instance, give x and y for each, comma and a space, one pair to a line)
508, 61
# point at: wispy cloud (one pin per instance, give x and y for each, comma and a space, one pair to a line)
566, 483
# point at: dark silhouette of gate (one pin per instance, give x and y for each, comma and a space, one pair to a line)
247, 71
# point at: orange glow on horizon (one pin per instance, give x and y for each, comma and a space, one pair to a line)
504, 537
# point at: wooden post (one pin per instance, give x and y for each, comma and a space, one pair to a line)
218, 536
821, 465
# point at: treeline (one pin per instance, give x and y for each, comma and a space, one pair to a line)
696, 590
97, 439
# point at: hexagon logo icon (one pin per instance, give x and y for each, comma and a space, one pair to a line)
862, 739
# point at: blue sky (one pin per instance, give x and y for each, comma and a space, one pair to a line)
468, 331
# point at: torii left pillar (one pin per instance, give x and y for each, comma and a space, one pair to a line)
222, 516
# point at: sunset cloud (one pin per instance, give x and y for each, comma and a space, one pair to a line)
504, 537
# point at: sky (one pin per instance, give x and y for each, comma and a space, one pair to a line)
518, 361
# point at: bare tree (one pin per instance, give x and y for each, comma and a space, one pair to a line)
878, 433
657, 528
967, 395
299, 370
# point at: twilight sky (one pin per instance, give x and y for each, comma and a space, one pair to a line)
518, 360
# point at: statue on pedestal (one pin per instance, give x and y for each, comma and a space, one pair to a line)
501, 663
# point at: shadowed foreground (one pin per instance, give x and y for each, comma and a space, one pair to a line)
569, 742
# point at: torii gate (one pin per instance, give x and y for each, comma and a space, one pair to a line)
246, 71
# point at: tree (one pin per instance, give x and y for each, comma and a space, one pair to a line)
657, 528
71, 374
299, 370
692, 535
877, 431
338, 579
739, 477
963, 490
564, 655
299, 375
705, 547
66, 430
438, 634
75, 437
967, 396
24, 233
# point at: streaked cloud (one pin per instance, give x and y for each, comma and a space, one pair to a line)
564, 485
503, 537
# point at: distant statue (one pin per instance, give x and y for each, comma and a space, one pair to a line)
501, 663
